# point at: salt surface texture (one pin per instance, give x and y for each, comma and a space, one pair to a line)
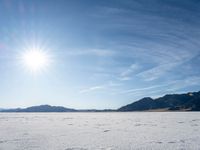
101, 131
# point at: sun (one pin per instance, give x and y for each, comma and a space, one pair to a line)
35, 60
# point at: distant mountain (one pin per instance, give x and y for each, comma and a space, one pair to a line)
48, 108
41, 108
171, 102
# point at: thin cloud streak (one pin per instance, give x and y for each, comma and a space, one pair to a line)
158, 90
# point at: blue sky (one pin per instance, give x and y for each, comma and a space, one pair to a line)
104, 54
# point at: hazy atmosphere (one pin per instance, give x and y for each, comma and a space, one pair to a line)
97, 54
99, 74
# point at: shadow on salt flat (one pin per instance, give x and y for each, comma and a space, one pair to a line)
101, 124
1, 142
68, 118
196, 120
194, 125
25, 134
159, 142
106, 130
139, 124
170, 142
75, 148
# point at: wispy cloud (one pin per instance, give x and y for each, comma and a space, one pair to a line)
142, 90
91, 89
108, 87
160, 89
156, 72
152, 38
92, 52
153, 48
170, 62
128, 72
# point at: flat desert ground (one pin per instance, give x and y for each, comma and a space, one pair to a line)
100, 131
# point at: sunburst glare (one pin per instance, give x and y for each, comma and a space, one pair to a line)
35, 60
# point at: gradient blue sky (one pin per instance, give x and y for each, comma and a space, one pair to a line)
105, 53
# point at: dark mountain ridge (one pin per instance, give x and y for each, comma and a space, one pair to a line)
188, 102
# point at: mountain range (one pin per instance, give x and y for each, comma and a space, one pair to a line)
170, 102
41, 108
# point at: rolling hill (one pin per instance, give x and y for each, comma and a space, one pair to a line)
41, 108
